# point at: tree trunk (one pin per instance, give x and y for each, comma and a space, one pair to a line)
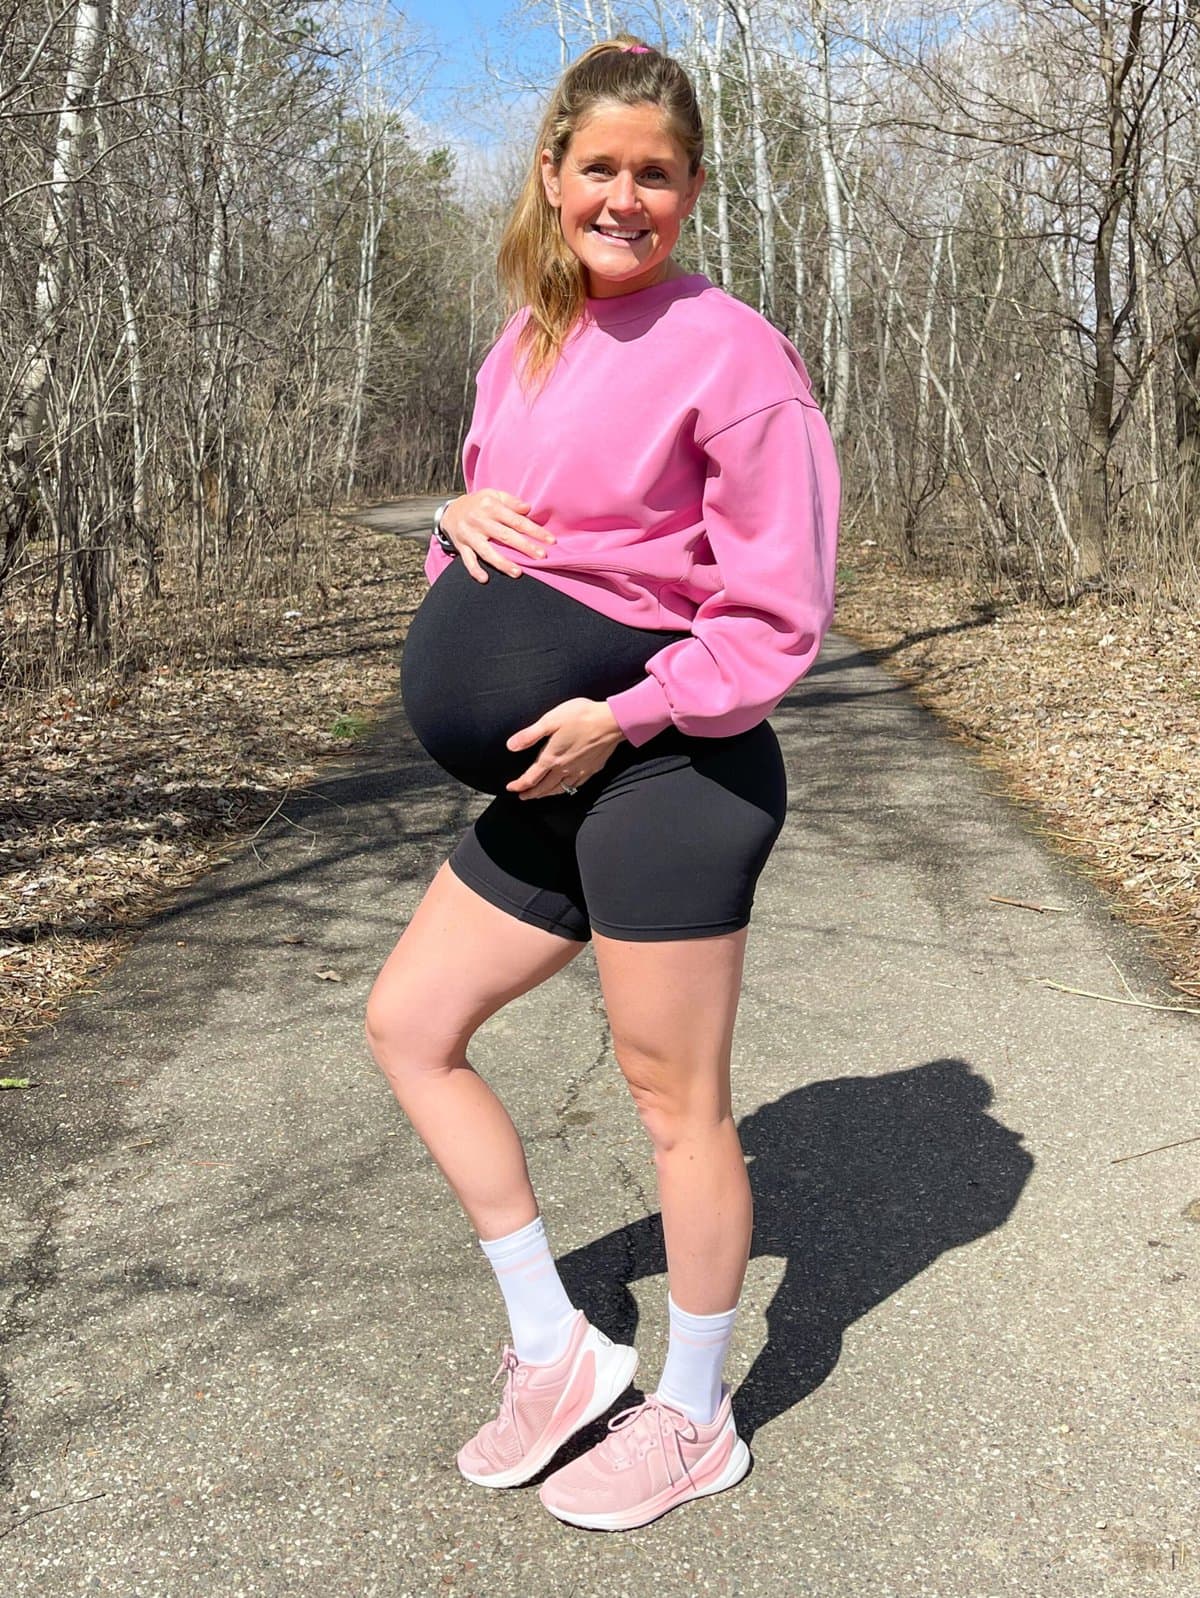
764, 208
1094, 490
1186, 381
837, 373
27, 421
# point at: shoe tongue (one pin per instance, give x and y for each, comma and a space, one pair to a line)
624, 1442
623, 1445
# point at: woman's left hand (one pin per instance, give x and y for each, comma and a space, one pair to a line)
580, 735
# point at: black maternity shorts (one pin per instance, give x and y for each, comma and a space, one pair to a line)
665, 841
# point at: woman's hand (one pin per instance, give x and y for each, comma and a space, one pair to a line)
475, 521
580, 735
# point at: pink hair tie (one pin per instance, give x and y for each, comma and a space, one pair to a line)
637, 49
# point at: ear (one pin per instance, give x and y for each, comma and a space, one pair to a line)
694, 188
550, 181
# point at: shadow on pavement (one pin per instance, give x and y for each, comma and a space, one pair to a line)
859, 1185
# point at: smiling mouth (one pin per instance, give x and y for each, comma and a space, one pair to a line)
625, 236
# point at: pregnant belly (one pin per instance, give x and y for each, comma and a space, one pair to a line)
482, 660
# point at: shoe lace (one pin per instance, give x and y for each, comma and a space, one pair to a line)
509, 1367
508, 1362
633, 1432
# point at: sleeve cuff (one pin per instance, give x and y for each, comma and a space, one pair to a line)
641, 711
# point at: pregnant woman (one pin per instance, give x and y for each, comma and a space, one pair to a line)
641, 567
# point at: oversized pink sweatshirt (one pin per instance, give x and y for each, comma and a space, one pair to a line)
679, 457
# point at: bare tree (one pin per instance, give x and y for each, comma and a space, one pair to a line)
35, 362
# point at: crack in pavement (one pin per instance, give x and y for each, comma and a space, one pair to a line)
577, 1082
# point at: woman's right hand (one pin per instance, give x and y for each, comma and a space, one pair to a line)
475, 521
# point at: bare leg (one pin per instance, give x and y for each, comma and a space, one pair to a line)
460, 960
671, 1007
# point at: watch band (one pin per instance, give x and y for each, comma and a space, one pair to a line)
443, 538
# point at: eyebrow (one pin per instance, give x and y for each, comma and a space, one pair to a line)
650, 160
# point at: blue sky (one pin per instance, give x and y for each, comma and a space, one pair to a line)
465, 38
457, 27
485, 68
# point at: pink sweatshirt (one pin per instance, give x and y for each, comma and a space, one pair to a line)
679, 457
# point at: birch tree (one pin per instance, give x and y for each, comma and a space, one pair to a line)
35, 362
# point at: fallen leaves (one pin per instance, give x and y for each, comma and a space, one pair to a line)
1091, 714
114, 796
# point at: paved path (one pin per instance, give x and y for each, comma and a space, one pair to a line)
247, 1326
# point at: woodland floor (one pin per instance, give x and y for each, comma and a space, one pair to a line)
115, 793
1089, 714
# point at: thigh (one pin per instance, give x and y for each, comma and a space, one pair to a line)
459, 960
671, 1010
674, 844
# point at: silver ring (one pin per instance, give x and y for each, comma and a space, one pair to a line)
567, 788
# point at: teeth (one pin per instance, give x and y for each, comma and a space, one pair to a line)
614, 233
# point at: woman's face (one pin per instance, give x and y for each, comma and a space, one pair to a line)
622, 171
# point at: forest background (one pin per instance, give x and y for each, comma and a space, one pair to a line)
246, 279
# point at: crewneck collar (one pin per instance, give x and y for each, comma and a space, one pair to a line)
618, 308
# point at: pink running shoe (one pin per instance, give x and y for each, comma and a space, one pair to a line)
654, 1458
543, 1405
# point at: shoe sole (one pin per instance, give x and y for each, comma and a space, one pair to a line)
736, 1467
615, 1365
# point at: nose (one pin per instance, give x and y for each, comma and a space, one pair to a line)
623, 193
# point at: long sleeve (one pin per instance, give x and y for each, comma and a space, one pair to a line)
771, 503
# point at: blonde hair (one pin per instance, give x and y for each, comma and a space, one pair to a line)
535, 264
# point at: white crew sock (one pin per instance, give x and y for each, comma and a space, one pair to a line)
539, 1310
691, 1378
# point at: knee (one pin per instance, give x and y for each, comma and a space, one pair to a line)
665, 1128
672, 1114
403, 1037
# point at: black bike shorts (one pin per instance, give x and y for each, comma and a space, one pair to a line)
665, 841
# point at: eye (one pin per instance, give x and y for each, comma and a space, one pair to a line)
599, 166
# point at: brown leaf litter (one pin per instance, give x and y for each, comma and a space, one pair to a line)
1091, 714
114, 794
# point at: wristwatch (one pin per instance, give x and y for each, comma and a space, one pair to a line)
444, 539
